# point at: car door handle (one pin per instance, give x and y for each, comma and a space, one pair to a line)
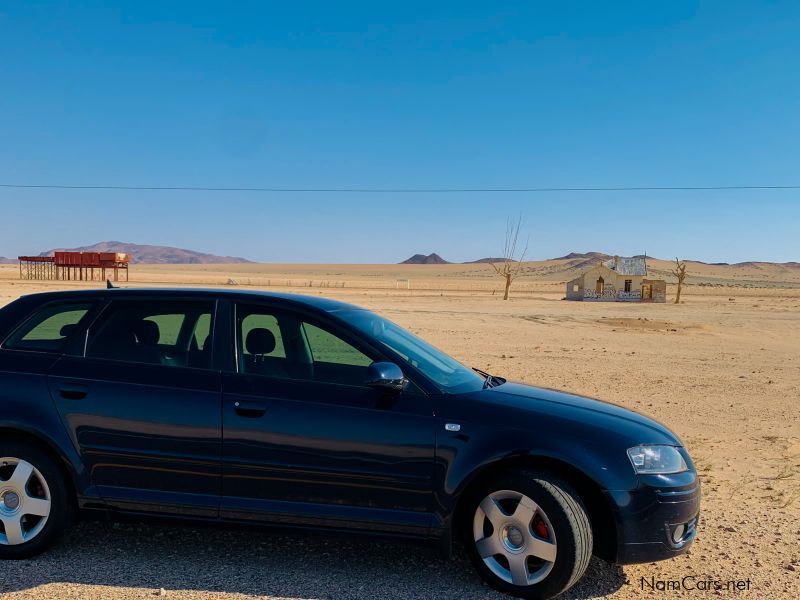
73, 391
249, 409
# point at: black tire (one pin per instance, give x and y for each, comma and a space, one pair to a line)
60, 500
569, 522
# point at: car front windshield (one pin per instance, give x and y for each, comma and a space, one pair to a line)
445, 371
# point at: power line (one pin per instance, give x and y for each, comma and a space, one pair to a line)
531, 190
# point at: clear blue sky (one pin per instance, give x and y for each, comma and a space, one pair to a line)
412, 94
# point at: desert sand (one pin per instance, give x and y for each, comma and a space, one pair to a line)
722, 369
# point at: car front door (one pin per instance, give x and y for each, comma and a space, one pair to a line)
143, 405
306, 441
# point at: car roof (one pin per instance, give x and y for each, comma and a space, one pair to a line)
315, 302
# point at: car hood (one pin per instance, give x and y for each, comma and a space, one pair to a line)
524, 406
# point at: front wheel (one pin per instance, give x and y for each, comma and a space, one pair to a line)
33, 501
529, 535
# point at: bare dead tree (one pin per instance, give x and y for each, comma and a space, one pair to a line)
511, 266
680, 274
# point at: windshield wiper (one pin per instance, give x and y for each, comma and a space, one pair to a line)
487, 381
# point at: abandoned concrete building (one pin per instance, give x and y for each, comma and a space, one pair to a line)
620, 279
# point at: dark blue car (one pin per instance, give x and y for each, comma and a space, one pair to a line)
271, 409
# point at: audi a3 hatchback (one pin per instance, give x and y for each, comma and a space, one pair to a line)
271, 409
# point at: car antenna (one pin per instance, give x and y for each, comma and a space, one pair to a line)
110, 286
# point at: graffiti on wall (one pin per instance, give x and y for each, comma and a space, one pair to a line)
634, 296
609, 294
612, 295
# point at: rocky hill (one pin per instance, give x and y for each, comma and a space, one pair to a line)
423, 259
435, 259
145, 253
487, 260
584, 255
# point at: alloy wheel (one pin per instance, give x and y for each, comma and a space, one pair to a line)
514, 537
24, 501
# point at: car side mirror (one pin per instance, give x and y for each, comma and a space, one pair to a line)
387, 376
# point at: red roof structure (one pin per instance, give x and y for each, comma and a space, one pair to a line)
80, 266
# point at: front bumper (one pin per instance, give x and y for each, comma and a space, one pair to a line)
657, 520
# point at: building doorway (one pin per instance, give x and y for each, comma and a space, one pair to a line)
647, 291
598, 288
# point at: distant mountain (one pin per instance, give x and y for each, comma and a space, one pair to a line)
592, 255
421, 259
487, 260
144, 253
752, 264
581, 259
7, 261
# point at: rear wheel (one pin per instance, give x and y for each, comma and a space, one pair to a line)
529, 535
33, 501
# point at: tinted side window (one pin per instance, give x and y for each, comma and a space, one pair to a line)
327, 348
169, 327
158, 333
261, 348
202, 332
263, 321
49, 328
282, 344
335, 360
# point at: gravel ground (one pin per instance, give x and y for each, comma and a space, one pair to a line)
100, 560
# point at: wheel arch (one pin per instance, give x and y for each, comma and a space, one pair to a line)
598, 508
51, 449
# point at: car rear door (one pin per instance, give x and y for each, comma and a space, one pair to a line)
305, 441
142, 404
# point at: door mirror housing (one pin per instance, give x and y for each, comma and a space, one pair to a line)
387, 376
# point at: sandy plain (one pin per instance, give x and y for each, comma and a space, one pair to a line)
722, 369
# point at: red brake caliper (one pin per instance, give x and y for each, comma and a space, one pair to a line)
541, 530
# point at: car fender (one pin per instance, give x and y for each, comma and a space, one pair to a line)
464, 456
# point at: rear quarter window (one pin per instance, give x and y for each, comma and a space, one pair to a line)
47, 329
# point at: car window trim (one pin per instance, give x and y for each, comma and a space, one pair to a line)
117, 361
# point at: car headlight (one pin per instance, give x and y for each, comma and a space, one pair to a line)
656, 460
